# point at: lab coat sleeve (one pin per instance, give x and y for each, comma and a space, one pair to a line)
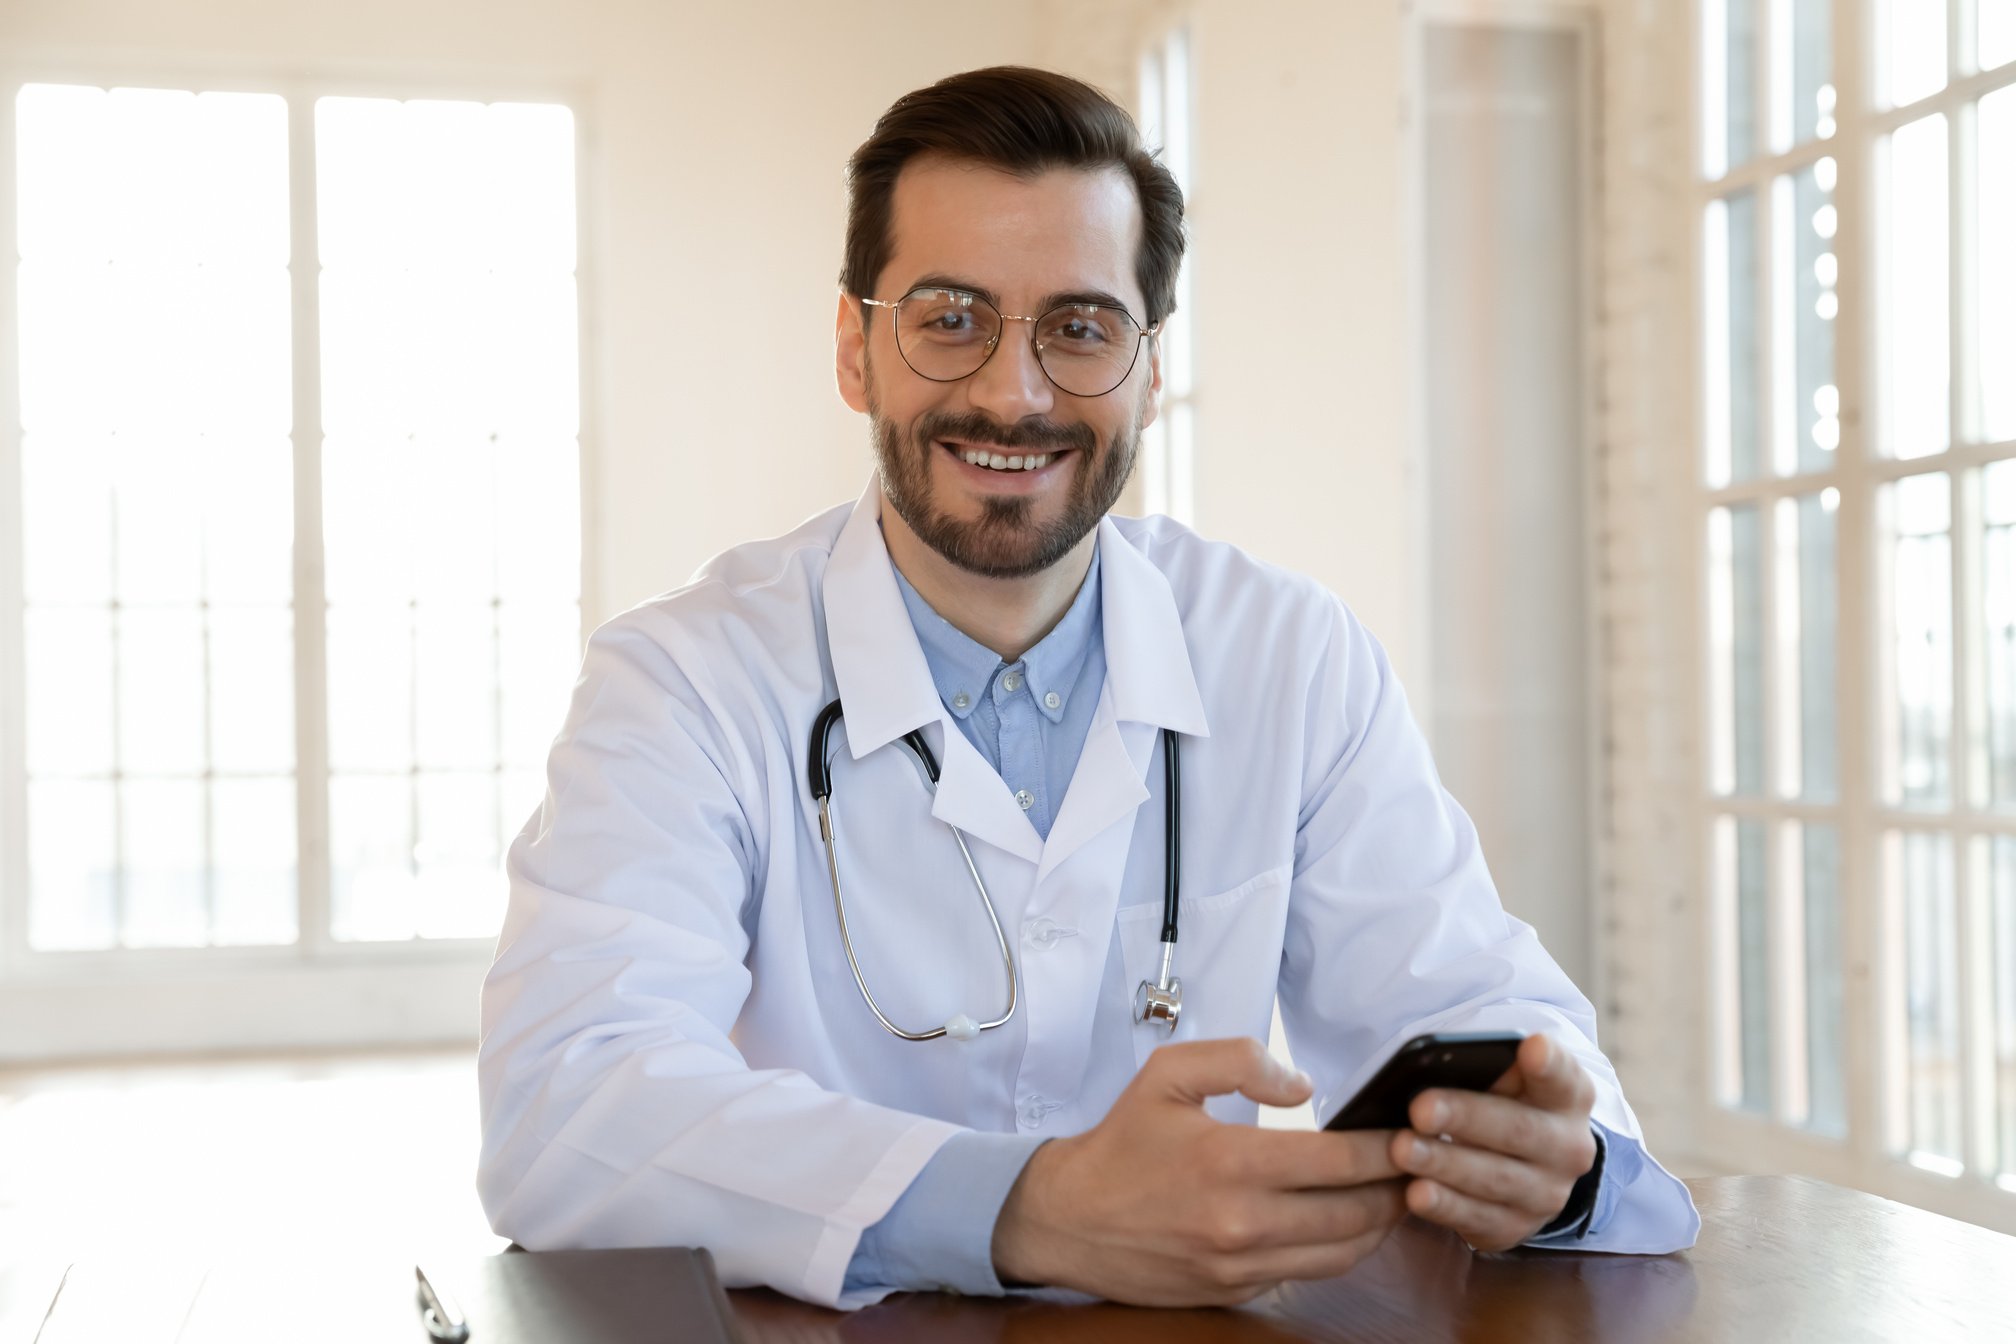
616, 1109
1395, 928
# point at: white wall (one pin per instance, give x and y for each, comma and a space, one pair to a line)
1304, 446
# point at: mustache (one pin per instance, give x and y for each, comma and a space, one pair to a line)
977, 429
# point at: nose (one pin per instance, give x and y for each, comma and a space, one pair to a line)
1011, 384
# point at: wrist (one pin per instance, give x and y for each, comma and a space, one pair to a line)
1019, 1236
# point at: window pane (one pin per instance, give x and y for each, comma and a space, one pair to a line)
1806, 614
66, 534
1912, 326
248, 528
72, 868
251, 690
1729, 42
538, 520
1995, 300
156, 503
1911, 47
539, 657
372, 889
161, 729
1730, 327
1826, 1077
1746, 975
367, 528
162, 837
1736, 634
69, 654
1807, 423
1812, 70
455, 679
1998, 633
254, 874
1922, 868
1919, 707
1995, 29
2002, 895
451, 488
370, 688
461, 887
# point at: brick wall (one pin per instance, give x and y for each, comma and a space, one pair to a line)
1649, 887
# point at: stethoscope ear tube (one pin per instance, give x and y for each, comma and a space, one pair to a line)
817, 771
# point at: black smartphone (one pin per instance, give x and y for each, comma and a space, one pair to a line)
1472, 1060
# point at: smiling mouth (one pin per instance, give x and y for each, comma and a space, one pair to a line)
995, 459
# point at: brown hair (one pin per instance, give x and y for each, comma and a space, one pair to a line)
1022, 121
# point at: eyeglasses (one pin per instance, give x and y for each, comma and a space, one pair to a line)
1086, 349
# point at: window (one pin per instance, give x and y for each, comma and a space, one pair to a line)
1169, 445
1858, 485
297, 582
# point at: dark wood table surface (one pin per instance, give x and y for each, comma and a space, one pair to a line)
1780, 1258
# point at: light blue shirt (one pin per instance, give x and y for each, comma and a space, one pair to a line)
1029, 719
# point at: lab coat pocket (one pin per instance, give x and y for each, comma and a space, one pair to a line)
1228, 956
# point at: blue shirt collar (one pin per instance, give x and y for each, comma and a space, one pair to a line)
962, 666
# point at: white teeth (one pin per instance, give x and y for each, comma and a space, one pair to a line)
980, 457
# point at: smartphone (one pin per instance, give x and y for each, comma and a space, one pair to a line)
1472, 1060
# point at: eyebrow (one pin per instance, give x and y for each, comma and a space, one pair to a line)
1057, 299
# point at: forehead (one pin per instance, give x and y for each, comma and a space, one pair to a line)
1062, 230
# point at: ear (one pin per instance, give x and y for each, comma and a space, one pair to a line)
850, 354
1151, 400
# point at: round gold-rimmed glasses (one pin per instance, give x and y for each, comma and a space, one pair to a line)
1086, 349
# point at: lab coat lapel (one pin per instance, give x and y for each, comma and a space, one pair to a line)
885, 685
1149, 686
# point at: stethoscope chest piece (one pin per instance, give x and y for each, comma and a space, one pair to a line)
1159, 1004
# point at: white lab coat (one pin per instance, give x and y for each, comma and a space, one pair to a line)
674, 1051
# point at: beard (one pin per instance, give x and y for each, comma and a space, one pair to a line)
1005, 542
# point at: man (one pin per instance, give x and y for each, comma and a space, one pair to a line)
697, 1032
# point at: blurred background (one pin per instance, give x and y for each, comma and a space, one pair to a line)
1643, 374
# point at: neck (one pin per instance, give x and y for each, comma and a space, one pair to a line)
1009, 616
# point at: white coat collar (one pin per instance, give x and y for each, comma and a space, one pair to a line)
878, 665
886, 684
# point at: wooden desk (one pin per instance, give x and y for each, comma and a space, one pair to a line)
1780, 1258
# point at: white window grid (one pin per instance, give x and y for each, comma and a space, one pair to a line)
1872, 1152
315, 942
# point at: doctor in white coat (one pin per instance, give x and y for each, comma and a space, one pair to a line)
675, 1049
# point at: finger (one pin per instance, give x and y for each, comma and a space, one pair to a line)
1193, 1070
1324, 1217
1263, 1269
1552, 1078
1486, 1226
1491, 1177
1298, 1160
1513, 1126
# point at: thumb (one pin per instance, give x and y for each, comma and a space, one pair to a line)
1194, 1070
1552, 1078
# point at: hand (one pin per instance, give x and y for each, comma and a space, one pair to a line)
1161, 1205
1513, 1153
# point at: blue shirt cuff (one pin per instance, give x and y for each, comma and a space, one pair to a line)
1621, 1159
939, 1234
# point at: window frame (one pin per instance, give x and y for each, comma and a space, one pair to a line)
1873, 1049
307, 991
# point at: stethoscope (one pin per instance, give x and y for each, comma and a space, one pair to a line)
1158, 1002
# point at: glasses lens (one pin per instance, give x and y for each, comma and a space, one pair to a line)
946, 334
1087, 349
